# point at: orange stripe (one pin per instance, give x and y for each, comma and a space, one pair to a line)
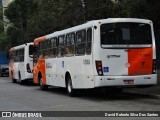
12, 49
40, 67
140, 61
37, 40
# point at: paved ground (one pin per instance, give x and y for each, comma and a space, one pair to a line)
155, 90
15, 97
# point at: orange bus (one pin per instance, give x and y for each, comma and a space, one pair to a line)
111, 53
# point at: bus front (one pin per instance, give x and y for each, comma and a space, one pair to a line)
124, 53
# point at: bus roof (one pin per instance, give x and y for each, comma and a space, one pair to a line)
20, 46
37, 40
89, 24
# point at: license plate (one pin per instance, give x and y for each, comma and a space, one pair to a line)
128, 82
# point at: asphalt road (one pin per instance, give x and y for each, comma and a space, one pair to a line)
15, 97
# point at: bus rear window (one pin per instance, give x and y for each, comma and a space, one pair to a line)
31, 50
126, 34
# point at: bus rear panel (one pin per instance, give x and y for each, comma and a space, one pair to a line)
126, 54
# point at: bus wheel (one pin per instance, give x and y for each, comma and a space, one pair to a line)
42, 87
70, 90
20, 81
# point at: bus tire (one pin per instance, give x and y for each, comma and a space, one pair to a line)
69, 87
20, 81
42, 86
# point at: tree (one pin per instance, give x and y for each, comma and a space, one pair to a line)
35, 18
1, 20
17, 13
3, 36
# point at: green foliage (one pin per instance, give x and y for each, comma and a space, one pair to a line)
18, 12
3, 38
15, 36
3, 41
1, 20
35, 18
14, 15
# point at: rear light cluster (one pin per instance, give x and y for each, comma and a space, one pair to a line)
154, 66
99, 67
28, 68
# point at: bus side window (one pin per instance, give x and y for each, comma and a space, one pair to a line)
13, 54
70, 40
19, 55
80, 42
31, 50
61, 51
23, 54
16, 56
53, 50
40, 51
46, 48
89, 41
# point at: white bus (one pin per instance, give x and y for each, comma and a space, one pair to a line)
21, 63
111, 53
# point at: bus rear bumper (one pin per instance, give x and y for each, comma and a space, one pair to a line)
125, 81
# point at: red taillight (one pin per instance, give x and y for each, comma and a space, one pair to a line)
154, 66
28, 68
99, 67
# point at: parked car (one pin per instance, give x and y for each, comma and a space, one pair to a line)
4, 70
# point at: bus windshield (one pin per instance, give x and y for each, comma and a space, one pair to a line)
125, 34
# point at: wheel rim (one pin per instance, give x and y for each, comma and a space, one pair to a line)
69, 86
19, 79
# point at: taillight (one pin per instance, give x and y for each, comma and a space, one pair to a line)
99, 67
28, 68
154, 68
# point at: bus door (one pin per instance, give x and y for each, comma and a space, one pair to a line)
30, 62
49, 72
